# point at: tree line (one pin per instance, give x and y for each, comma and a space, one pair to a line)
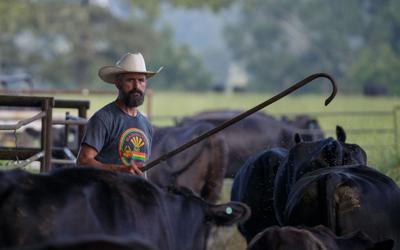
63, 43
356, 41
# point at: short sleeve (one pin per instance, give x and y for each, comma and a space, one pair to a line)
95, 133
151, 132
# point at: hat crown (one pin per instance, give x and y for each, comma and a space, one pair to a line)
129, 63
132, 62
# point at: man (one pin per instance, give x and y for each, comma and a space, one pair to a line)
118, 137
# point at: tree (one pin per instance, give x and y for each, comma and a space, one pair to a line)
183, 70
379, 66
66, 42
283, 42
152, 7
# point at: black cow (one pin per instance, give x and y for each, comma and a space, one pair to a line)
254, 186
201, 167
95, 242
373, 89
16, 79
347, 199
308, 127
306, 157
76, 202
266, 178
58, 136
315, 238
253, 134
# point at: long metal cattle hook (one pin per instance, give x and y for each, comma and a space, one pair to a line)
242, 116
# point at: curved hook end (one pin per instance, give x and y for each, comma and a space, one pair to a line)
327, 101
334, 88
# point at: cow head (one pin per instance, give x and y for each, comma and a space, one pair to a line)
308, 128
225, 214
305, 157
195, 217
352, 153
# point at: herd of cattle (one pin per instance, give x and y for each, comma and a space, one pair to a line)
292, 189
325, 182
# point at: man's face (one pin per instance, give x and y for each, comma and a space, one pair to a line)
132, 88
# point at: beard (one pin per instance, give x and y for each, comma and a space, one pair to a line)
133, 98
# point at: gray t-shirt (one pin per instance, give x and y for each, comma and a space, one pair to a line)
118, 137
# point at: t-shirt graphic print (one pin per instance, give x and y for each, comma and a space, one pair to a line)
133, 146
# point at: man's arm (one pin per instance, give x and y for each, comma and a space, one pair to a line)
86, 157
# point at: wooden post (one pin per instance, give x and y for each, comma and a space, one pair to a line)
82, 112
149, 96
396, 111
47, 138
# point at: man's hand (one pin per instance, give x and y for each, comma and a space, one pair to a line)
87, 156
135, 167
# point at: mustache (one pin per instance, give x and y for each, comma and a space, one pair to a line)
136, 91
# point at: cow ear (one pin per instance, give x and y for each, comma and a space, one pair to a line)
383, 245
297, 138
228, 213
340, 134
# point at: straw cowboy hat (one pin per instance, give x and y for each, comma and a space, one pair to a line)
129, 63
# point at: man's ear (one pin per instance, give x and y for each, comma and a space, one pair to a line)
117, 84
227, 214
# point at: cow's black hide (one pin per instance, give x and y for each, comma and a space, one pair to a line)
254, 186
372, 89
91, 242
200, 168
256, 133
77, 202
315, 238
347, 199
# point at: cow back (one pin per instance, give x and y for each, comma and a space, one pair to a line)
251, 135
347, 199
306, 157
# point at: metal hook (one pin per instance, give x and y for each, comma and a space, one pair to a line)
244, 115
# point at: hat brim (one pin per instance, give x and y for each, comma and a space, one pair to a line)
109, 73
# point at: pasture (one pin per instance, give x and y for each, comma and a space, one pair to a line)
375, 136
381, 146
